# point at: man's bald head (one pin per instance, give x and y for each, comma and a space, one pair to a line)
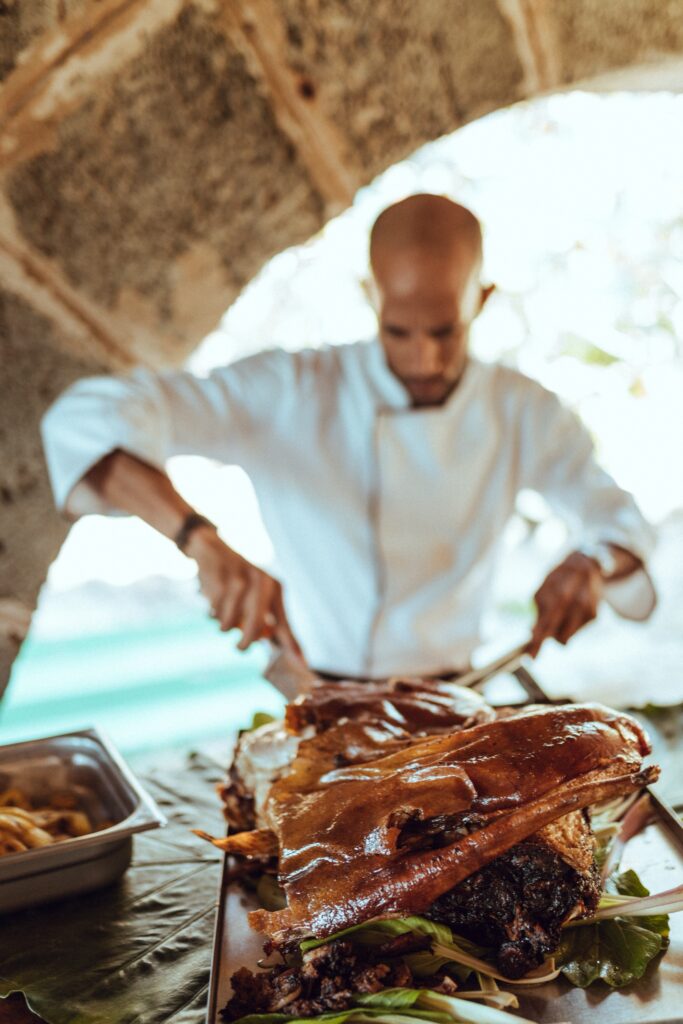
426, 255
425, 225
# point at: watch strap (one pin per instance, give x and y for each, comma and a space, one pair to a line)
191, 523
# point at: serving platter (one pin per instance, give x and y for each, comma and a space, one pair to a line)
656, 854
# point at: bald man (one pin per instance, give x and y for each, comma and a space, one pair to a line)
385, 470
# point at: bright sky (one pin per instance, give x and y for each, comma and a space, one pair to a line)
580, 197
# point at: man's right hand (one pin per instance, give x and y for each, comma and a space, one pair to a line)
241, 595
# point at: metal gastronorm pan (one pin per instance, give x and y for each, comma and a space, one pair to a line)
86, 764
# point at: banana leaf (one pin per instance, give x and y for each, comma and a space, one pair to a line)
137, 952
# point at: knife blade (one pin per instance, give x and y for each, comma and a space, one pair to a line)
288, 672
507, 662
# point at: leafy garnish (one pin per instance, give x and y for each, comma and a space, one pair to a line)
377, 930
494, 996
260, 718
616, 951
269, 894
453, 1008
462, 956
453, 951
633, 899
402, 1006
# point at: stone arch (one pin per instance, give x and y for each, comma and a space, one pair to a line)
155, 153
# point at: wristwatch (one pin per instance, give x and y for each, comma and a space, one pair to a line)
601, 553
189, 525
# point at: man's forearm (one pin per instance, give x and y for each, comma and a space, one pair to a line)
241, 595
125, 483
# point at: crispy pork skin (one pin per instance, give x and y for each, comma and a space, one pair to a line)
420, 707
375, 718
339, 827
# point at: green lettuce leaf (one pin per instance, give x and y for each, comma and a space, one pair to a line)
628, 884
616, 951
260, 718
379, 930
269, 894
400, 1006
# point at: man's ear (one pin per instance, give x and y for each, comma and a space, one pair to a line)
371, 292
485, 295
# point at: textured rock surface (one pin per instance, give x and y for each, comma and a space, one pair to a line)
21, 22
595, 36
34, 372
411, 71
155, 153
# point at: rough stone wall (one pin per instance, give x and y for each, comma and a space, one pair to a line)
593, 37
410, 71
155, 153
178, 150
22, 22
34, 372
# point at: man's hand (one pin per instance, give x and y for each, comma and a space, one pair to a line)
241, 595
566, 600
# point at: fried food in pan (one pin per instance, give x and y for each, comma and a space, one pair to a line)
26, 827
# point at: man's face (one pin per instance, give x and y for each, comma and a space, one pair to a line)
426, 305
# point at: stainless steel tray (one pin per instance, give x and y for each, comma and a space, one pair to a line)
656, 854
86, 764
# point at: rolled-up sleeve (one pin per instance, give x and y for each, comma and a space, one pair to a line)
557, 460
156, 416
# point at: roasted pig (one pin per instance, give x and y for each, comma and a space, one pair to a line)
384, 800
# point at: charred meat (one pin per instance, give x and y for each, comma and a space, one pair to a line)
328, 979
517, 904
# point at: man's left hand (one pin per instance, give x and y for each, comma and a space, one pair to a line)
566, 600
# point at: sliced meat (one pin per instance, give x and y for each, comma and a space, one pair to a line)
328, 979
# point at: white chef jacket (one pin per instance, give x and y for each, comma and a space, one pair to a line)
386, 520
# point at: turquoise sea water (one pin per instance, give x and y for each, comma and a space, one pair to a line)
149, 687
